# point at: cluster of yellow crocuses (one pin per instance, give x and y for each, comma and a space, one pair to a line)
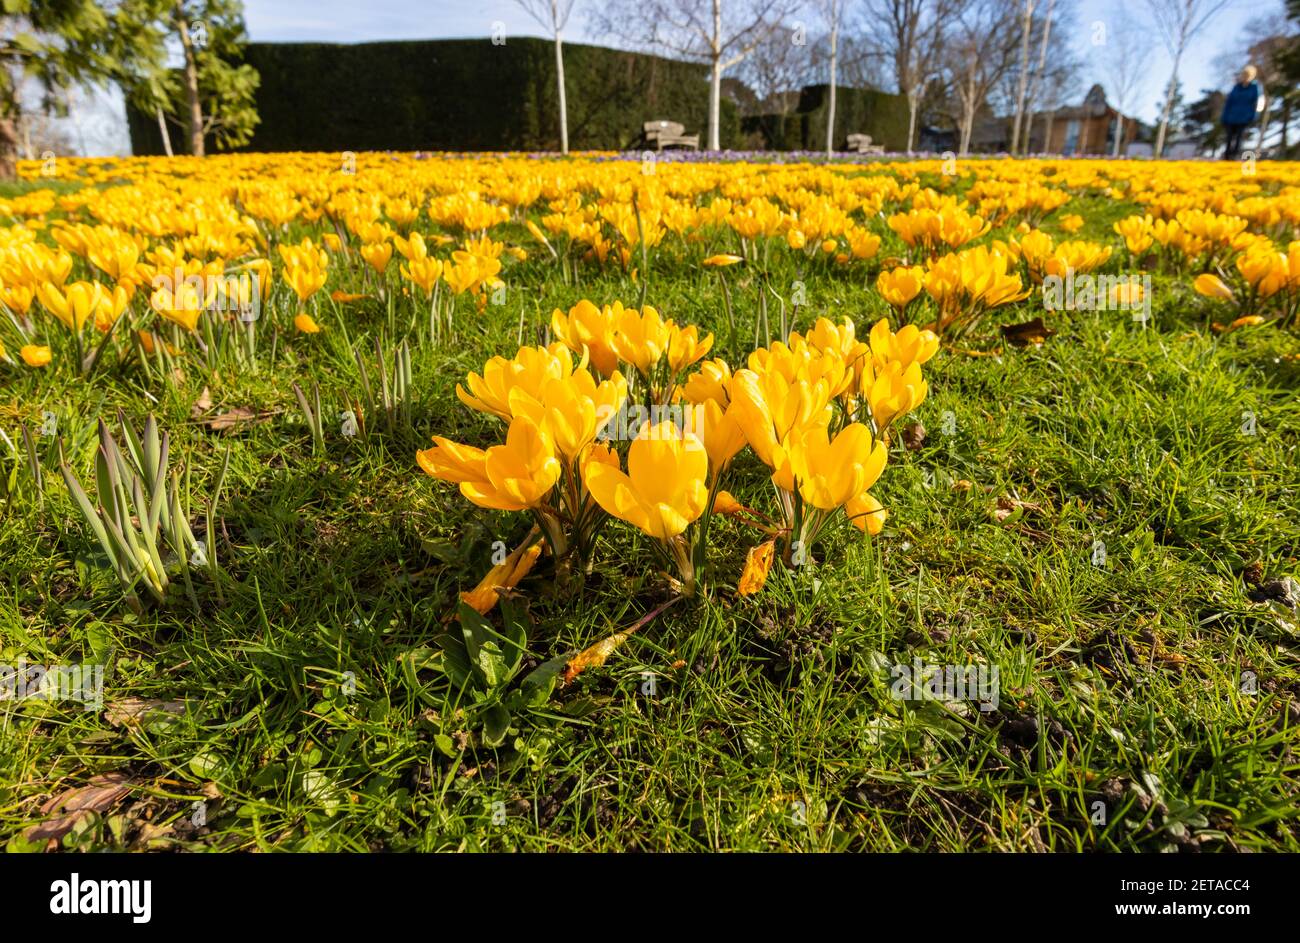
1261, 281
945, 241
815, 408
143, 257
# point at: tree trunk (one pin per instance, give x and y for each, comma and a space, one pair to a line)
162, 130
715, 105
715, 80
191, 73
970, 105
8, 149
1026, 27
967, 127
1167, 111
1038, 78
913, 106
830, 117
564, 108
1119, 133
1263, 127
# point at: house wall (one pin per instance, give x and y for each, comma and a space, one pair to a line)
1092, 134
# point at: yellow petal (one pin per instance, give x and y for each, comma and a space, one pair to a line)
35, 356
757, 564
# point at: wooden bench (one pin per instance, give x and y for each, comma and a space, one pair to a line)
861, 144
661, 134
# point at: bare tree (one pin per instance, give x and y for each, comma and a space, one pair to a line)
983, 50
832, 11
1036, 80
553, 16
1022, 81
720, 33
912, 35
1128, 47
779, 66
860, 63
1178, 22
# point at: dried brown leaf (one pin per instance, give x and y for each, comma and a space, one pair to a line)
228, 420
913, 435
202, 404
1033, 331
102, 792
133, 711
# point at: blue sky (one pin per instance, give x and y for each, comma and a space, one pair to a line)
352, 21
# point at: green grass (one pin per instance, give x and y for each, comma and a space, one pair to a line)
771, 725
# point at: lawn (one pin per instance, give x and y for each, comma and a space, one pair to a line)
1107, 517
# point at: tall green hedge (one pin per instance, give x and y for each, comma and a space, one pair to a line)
857, 111
460, 94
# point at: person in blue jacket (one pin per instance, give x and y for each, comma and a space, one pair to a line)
1239, 111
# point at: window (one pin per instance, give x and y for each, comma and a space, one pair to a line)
1071, 137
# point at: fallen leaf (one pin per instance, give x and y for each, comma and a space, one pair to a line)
134, 711
202, 404
1012, 508
913, 435
102, 792
228, 420
1030, 332
150, 833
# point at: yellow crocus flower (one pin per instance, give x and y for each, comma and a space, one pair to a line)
641, 337
665, 487
1211, 286
829, 472
900, 285
591, 329
893, 390
530, 369
514, 476
73, 305
910, 345
424, 272
377, 255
